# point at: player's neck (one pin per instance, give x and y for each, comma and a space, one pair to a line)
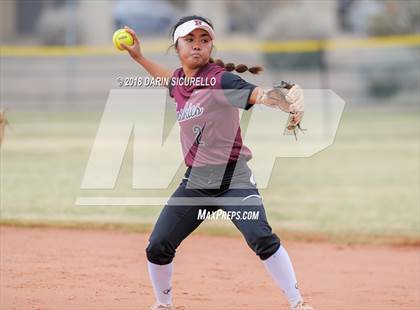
190, 72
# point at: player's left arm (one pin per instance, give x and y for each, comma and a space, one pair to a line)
284, 96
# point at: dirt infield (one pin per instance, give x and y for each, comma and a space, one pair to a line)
46, 268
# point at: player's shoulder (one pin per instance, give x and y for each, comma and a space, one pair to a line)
231, 80
228, 77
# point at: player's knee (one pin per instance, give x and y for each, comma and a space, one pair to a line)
264, 246
159, 251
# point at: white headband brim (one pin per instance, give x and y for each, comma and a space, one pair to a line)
189, 26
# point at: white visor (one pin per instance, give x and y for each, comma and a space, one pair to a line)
189, 26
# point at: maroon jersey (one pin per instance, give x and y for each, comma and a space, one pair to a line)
208, 115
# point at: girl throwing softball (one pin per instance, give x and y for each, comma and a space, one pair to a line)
217, 175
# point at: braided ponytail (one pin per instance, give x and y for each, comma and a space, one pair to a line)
238, 68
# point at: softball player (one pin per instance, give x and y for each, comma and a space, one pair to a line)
217, 175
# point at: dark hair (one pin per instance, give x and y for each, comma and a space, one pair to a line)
229, 66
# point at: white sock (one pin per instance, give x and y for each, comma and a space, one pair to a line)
281, 269
161, 277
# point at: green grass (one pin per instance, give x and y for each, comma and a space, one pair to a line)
365, 186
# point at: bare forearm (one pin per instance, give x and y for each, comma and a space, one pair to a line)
154, 69
254, 95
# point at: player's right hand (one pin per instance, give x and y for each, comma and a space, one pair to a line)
134, 50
